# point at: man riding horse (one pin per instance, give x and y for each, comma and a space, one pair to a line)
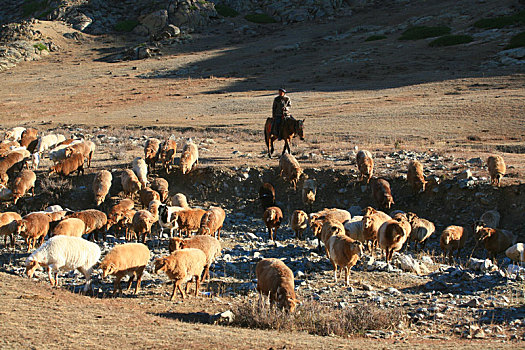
281, 107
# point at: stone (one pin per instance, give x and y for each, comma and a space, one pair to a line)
80, 21
472, 303
408, 264
486, 266
155, 22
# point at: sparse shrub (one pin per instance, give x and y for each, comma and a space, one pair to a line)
449, 40
375, 37
30, 7
501, 21
260, 18
226, 11
473, 138
517, 40
423, 32
40, 46
127, 25
55, 187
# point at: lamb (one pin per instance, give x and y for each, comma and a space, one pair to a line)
86, 148
179, 200
24, 182
344, 252
316, 220
516, 253
309, 192
64, 253
365, 164
330, 228
125, 259
209, 245
497, 169
127, 224
101, 186
168, 217
69, 165
144, 219
276, 280
391, 237
167, 154
147, 195
29, 139
70, 227
151, 152
117, 213
495, 240
354, 229
299, 223
189, 157
290, 169
32, 227
44, 143
415, 176
141, 170
267, 195
212, 222
162, 187
14, 134
372, 221
61, 152
272, 217
95, 221
8, 226
381, 193
490, 218
452, 238
189, 220
422, 229
181, 266
130, 183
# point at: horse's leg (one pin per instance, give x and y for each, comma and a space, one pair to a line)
271, 146
267, 139
286, 146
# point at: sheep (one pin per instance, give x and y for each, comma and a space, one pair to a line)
497, 169
117, 212
316, 220
276, 280
209, 245
290, 169
299, 223
167, 153
130, 183
44, 143
372, 221
73, 227
365, 164
402, 218
147, 195
495, 240
14, 134
125, 259
391, 237
490, 218
381, 193
144, 219
29, 139
309, 192
95, 221
179, 200
516, 253
181, 266
168, 217
8, 226
24, 182
452, 238
189, 219
189, 157
415, 176
69, 165
5, 193
267, 195
354, 229
86, 148
101, 186
127, 224
330, 227
141, 170
422, 229
162, 187
151, 152
10, 160
32, 227
272, 218
212, 222
344, 252
64, 253
61, 152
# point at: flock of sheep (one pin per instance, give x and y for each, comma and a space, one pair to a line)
343, 236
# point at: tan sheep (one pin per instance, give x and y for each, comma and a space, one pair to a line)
212, 222
316, 220
309, 192
415, 176
95, 221
330, 228
497, 169
101, 186
69, 165
179, 200
125, 259
151, 152
452, 238
117, 212
73, 227
162, 187
8, 226
402, 218
516, 253
181, 266
290, 169
344, 252
147, 195
209, 245
299, 223
168, 150
272, 218
24, 182
381, 193
365, 164
140, 168
29, 139
422, 229
86, 148
275, 279
391, 237
127, 224
371, 224
354, 229
143, 220
189, 220
10, 160
130, 183
32, 227
495, 240
189, 157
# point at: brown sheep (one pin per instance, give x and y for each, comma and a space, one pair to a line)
371, 224
125, 259
415, 176
168, 150
116, 212
212, 222
189, 220
275, 279
391, 237
290, 169
316, 220
365, 164
497, 169
299, 223
402, 218
101, 186
272, 218
309, 192
381, 193
32, 227
147, 195
330, 227
162, 187
179, 200
10, 160
29, 138
24, 182
70, 227
86, 148
422, 229
189, 157
95, 221
8, 226
6, 146
143, 220
69, 165
151, 152
209, 245
127, 224
267, 195
181, 266
495, 240
130, 183
452, 238
344, 252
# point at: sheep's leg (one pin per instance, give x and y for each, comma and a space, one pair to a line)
50, 275
219, 233
176, 285
130, 281
179, 287
116, 284
139, 278
335, 270
188, 286
318, 245
206, 274
347, 276
197, 284
87, 275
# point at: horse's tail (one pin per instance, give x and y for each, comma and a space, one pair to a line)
267, 131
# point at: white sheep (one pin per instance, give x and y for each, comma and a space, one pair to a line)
44, 143
14, 134
59, 153
140, 169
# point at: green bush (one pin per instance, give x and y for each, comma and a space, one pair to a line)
126, 26
40, 47
501, 21
449, 40
375, 37
226, 11
423, 32
260, 18
30, 7
517, 40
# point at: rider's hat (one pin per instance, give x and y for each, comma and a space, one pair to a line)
282, 90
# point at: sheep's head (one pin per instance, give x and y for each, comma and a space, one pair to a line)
367, 221
160, 264
31, 266
485, 233
388, 201
21, 226
478, 226
185, 163
287, 301
107, 268
316, 226
176, 243
369, 211
68, 152
411, 217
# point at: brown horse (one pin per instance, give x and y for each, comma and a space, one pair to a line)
291, 127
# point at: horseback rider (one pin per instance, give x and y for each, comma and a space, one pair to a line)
280, 109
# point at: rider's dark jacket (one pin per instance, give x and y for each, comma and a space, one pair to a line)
280, 104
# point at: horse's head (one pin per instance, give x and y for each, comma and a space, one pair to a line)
300, 129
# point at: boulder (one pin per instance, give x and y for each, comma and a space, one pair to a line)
155, 22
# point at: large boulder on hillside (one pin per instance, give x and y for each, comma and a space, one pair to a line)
155, 22
191, 13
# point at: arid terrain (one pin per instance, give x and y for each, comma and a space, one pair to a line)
449, 107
